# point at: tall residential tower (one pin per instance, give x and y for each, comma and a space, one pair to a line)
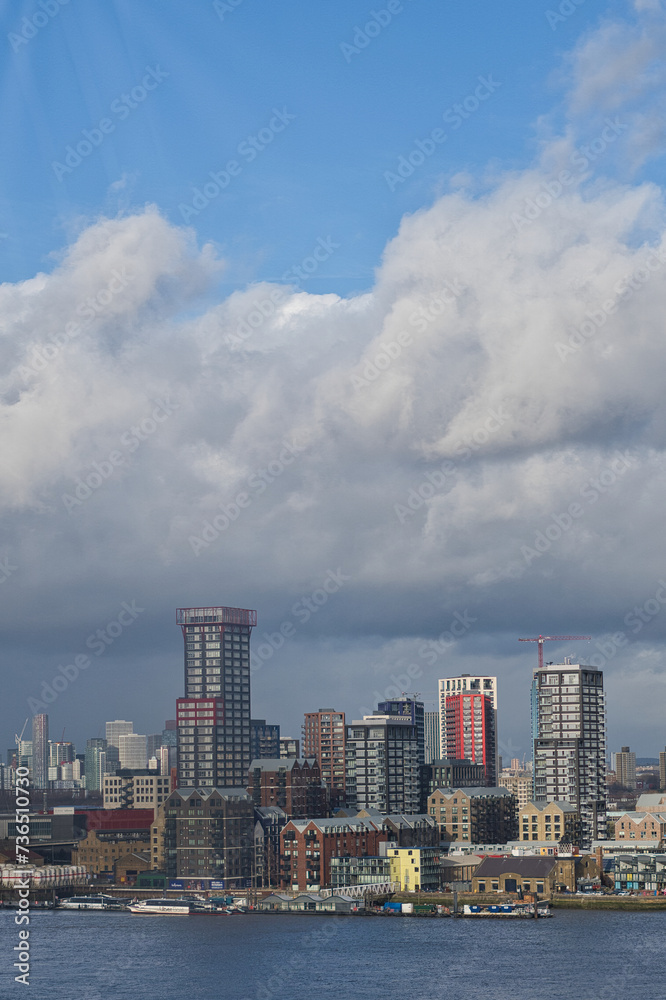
325, 737
570, 742
40, 751
214, 716
468, 721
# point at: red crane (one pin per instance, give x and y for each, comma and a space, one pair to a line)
547, 638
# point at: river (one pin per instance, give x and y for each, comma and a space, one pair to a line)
587, 955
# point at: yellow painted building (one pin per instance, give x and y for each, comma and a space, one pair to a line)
415, 868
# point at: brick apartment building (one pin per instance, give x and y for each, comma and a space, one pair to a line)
209, 833
557, 821
307, 846
325, 738
482, 815
292, 784
641, 826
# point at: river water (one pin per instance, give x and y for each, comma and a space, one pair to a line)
98, 956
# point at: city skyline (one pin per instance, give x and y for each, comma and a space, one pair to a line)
465, 683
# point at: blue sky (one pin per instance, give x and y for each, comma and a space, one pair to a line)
356, 112
430, 265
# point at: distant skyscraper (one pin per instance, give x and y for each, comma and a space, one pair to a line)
40, 751
289, 747
95, 764
662, 770
133, 752
431, 736
264, 740
116, 729
214, 716
60, 753
625, 768
570, 743
456, 740
324, 737
153, 743
23, 754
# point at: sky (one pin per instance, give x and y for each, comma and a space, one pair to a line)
351, 315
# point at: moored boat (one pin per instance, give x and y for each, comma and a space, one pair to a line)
508, 910
163, 906
95, 902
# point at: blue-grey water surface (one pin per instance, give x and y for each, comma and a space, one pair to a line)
94, 956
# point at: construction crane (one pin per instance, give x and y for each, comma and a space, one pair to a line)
19, 738
549, 638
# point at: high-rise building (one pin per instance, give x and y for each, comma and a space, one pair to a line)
114, 730
264, 740
411, 709
383, 764
519, 783
325, 737
164, 760
132, 750
570, 743
290, 747
23, 752
431, 736
61, 753
625, 768
40, 751
153, 743
214, 716
662, 770
95, 764
470, 729
469, 690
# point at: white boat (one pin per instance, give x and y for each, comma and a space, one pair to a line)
97, 902
162, 905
